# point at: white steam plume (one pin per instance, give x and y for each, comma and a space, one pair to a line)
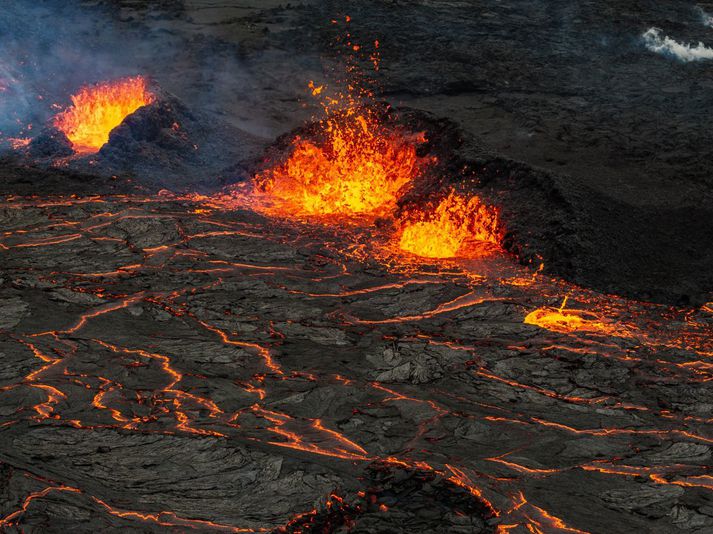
670, 47
706, 18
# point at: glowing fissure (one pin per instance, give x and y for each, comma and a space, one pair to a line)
96, 110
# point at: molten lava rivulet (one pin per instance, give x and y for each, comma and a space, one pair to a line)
96, 110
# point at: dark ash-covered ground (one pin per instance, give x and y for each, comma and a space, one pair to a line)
173, 365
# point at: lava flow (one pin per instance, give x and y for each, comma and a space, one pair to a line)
423, 368
457, 227
173, 363
97, 110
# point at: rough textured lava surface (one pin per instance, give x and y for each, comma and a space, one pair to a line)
175, 358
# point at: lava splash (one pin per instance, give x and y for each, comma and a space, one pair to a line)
97, 110
457, 227
564, 321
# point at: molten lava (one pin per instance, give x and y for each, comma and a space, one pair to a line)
98, 109
355, 162
457, 227
359, 169
565, 321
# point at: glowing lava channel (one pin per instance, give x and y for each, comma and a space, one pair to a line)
97, 110
457, 227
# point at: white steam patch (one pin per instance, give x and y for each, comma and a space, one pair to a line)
670, 47
706, 18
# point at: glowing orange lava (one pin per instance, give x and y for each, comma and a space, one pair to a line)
564, 321
359, 169
457, 227
98, 109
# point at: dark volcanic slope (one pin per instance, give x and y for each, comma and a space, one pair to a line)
660, 253
565, 87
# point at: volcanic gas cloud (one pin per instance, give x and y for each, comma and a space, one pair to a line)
96, 110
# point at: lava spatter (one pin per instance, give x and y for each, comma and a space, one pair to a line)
361, 167
355, 161
458, 226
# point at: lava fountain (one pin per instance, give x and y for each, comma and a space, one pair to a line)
457, 227
356, 162
96, 110
360, 168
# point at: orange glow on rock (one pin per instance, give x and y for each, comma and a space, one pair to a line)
457, 227
97, 110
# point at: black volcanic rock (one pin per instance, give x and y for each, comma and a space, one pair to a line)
161, 145
164, 125
50, 143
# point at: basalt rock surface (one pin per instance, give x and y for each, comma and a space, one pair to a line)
168, 365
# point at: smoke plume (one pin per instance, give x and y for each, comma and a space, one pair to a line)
706, 18
666, 46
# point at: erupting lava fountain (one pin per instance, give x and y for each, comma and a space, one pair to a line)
96, 110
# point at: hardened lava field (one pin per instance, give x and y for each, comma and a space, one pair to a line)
355, 267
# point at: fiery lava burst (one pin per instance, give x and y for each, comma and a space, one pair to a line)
357, 163
457, 227
360, 168
97, 110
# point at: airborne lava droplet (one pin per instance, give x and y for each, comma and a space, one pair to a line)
97, 110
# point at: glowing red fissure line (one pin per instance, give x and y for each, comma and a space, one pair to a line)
603, 431
165, 518
264, 353
353, 451
464, 301
179, 395
102, 310
365, 291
